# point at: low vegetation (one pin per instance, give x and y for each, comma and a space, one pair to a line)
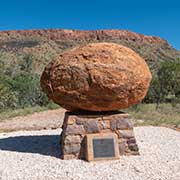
147, 114
9, 113
20, 70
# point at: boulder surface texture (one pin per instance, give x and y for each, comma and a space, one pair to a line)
96, 77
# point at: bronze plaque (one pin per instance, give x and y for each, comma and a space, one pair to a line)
102, 146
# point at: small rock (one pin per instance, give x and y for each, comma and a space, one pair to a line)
133, 147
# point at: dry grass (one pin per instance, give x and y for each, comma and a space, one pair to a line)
8, 114
143, 114
146, 114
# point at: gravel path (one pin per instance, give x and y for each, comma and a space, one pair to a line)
50, 119
32, 155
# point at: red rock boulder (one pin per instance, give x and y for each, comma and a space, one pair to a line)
97, 77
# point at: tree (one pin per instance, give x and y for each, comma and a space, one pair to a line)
165, 82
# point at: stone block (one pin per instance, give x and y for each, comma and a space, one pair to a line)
104, 125
71, 120
121, 124
113, 125
71, 148
131, 140
75, 130
125, 133
68, 156
70, 139
124, 124
77, 127
123, 148
120, 140
91, 126
82, 120
119, 115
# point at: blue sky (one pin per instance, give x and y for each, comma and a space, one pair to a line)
150, 17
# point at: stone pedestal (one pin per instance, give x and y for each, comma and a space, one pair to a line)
78, 124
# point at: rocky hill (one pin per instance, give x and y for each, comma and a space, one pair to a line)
24, 54
46, 44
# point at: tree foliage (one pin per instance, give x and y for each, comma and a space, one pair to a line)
20, 88
165, 84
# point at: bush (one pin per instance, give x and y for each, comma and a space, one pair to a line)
28, 90
20, 88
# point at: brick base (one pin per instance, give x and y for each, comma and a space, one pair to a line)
77, 124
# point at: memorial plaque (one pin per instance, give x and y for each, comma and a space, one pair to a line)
102, 146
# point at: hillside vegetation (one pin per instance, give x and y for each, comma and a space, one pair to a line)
24, 54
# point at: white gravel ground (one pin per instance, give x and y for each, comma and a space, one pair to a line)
32, 155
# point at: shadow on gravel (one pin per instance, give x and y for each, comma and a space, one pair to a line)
45, 144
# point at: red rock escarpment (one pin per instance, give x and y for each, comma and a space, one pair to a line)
62, 34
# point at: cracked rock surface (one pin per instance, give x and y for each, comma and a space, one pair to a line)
97, 77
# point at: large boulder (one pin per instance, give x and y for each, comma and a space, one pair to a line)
97, 77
